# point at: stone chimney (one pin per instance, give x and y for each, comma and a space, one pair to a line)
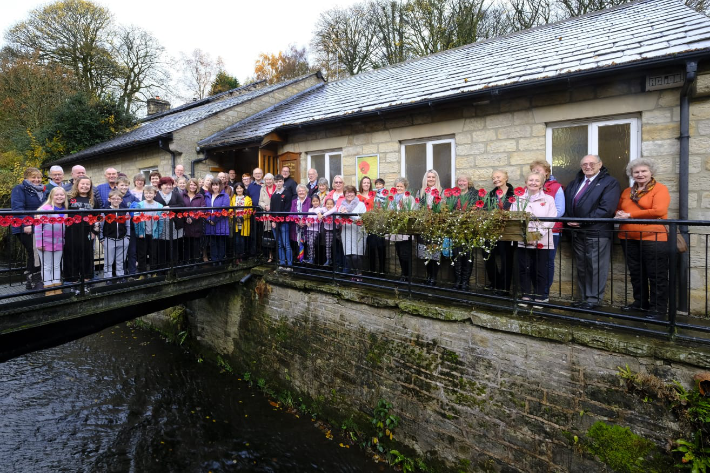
156, 105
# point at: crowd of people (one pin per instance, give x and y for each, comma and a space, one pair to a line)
136, 231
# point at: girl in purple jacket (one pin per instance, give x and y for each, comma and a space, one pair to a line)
49, 238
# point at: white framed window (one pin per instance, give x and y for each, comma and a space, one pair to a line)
418, 156
327, 163
146, 173
616, 140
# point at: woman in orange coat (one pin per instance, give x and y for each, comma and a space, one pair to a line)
645, 246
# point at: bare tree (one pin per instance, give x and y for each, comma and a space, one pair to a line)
525, 14
469, 21
199, 73
142, 70
74, 33
388, 18
431, 26
344, 40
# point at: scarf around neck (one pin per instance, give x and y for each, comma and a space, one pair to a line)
637, 194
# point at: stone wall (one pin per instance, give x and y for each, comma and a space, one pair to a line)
505, 392
509, 133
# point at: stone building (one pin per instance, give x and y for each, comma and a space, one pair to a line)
623, 83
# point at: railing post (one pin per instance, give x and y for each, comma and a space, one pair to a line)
672, 277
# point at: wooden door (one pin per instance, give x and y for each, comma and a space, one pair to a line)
268, 161
293, 161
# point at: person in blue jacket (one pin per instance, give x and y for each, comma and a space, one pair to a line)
217, 225
28, 196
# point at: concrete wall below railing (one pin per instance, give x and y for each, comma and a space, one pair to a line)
496, 391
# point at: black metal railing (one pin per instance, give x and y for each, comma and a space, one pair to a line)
337, 249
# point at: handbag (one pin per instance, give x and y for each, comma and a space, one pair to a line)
269, 241
680, 243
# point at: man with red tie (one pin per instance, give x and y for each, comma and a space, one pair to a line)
593, 194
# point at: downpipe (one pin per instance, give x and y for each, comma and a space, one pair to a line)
691, 68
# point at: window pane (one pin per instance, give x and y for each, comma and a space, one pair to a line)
614, 150
442, 163
318, 163
335, 166
415, 165
569, 146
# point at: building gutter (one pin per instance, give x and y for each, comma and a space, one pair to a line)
164, 144
197, 160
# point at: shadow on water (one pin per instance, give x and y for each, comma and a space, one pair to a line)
123, 400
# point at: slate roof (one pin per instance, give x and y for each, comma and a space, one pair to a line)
641, 32
152, 130
211, 98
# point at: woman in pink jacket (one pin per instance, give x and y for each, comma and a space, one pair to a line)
49, 238
534, 254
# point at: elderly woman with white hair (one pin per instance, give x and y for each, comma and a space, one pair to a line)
645, 246
267, 190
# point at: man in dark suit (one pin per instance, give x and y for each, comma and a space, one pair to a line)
593, 194
312, 182
254, 192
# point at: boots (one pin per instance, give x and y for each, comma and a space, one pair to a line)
457, 273
466, 270
34, 281
434, 272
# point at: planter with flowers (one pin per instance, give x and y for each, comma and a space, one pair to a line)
461, 221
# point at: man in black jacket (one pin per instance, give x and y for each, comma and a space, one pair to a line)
593, 194
289, 182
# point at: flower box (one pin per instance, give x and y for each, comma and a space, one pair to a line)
515, 227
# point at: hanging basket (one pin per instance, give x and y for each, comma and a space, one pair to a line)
515, 227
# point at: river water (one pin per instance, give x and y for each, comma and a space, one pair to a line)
123, 400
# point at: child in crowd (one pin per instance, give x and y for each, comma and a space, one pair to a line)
313, 228
380, 199
376, 245
328, 228
115, 234
123, 185
146, 229
49, 238
139, 183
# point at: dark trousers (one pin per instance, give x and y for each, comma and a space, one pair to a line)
218, 247
404, 254
131, 255
648, 270
256, 232
501, 254
240, 245
166, 252
592, 256
144, 250
532, 264
28, 243
376, 253
193, 249
551, 260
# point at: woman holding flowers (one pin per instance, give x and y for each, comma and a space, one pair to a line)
500, 197
465, 197
400, 200
429, 195
554, 189
365, 193
353, 235
534, 252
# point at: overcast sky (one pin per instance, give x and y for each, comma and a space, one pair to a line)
235, 30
